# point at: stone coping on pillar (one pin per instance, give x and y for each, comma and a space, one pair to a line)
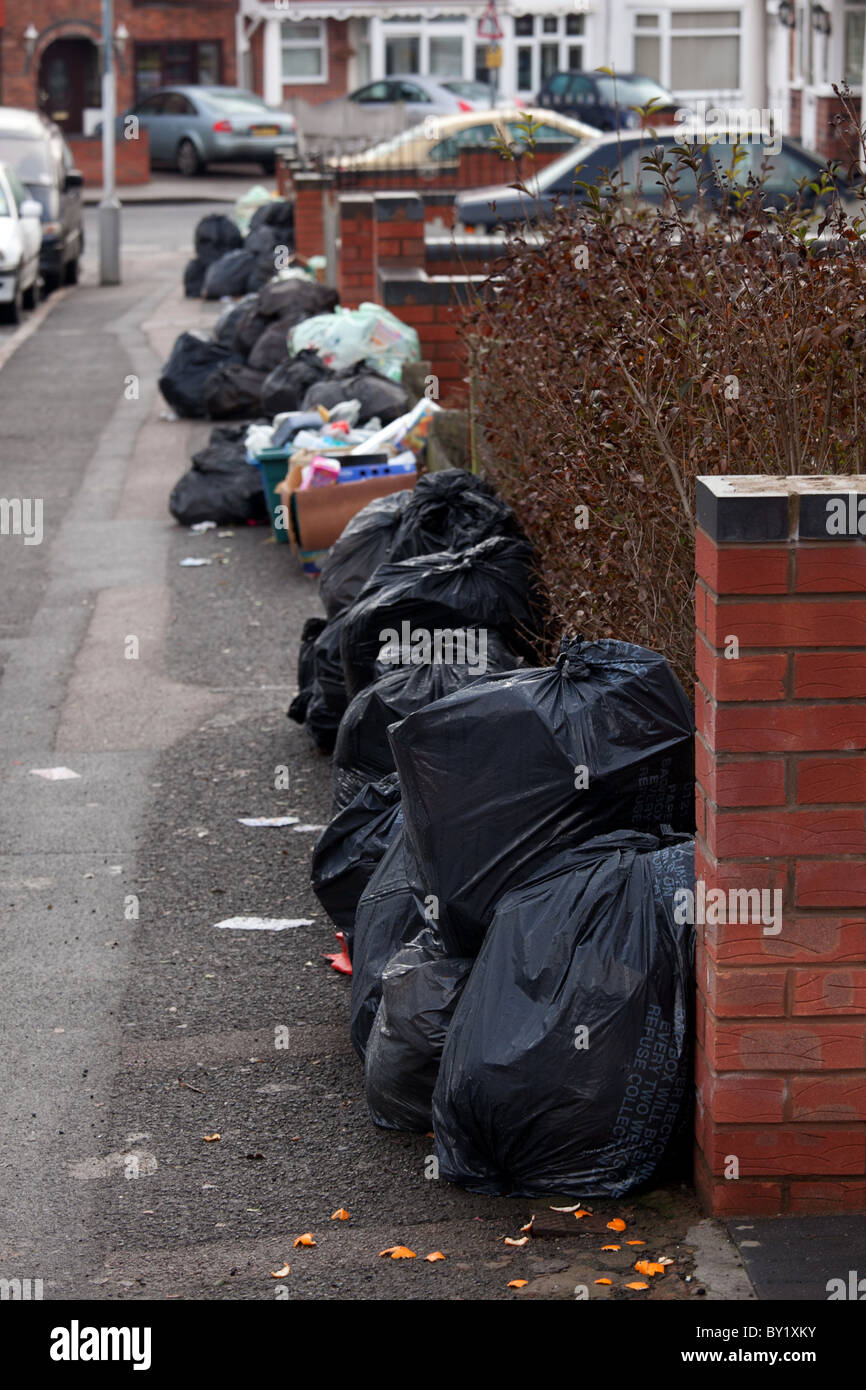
742, 508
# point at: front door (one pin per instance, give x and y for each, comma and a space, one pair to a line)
69, 82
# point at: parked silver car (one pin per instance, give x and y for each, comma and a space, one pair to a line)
421, 96
192, 127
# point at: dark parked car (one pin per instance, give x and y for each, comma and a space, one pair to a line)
485, 209
35, 148
192, 127
606, 102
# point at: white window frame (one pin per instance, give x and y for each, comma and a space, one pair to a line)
849, 7
423, 29
294, 44
666, 34
538, 39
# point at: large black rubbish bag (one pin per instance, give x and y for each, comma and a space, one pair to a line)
262, 243
328, 700
221, 495
227, 327
388, 916
498, 772
193, 278
362, 752
278, 213
271, 348
216, 234
349, 850
421, 985
286, 386
296, 297
378, 396
232, 390
567, 1066
311, 630
361, 547
450, 510
230, 275
250, 324
224, 451
193, 358
491, 585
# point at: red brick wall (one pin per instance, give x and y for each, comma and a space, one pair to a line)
214, 19
835, 134
132, 158
781, 804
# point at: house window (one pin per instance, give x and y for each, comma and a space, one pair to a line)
689, 50
176, 63
855, 15
304, 54
436, 44
554, 45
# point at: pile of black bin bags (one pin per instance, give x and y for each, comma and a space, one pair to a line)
507, 855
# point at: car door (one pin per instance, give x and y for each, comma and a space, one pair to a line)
30, 229
149, 113
174, 121
417, 101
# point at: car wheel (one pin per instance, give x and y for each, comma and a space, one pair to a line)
268, 167
12, 312
189, 161
50, 282
31, 296
70, 274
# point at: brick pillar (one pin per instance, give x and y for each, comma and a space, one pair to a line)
357, 266
399, 230
310, 193
781, 805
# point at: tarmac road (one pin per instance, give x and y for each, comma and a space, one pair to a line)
132, 1027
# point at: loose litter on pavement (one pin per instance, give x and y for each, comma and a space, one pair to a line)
54, 774
257, 821
263, 923
191, 563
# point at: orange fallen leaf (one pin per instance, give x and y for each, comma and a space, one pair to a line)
434, 1255
520, 1241
635, 1242
649, 1267
611, 1247
637, 1285
340, 1214
603, 1281
528, 1226
581, 1211
280, 1273
211, 1138
307, 1239
617, 1224
517, 1283
399, 1252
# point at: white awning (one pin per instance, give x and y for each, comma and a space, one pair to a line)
411, 9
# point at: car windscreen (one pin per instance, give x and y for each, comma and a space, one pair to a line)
4, 205
631, 91
31, 159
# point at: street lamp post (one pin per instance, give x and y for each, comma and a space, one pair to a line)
109, 207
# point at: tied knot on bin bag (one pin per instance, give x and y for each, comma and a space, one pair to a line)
570, 658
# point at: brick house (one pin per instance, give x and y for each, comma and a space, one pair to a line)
49, 52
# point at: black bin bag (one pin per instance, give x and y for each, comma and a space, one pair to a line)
194, 357
420, 989
498, 772
349, 850
450, 510
285, 387
567, 1066
491, 585
232, 390
311, 630
387, 917
361, 547
362, 751
230, 275
328, 700
215, 235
